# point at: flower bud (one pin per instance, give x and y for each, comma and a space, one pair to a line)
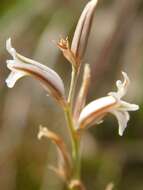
81, 35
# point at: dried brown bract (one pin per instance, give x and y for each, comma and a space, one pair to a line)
65, 168
64, 46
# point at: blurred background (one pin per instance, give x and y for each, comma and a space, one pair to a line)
115, 45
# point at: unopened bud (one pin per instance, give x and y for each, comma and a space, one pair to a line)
81, 35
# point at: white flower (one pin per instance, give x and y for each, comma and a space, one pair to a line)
97, 109
21, 66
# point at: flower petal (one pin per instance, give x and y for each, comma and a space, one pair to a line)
96, 110
13, 77
125, 106
123, 118
122, 87
10, 49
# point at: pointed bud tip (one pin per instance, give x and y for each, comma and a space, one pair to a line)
82, 31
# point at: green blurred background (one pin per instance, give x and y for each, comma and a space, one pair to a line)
115, 45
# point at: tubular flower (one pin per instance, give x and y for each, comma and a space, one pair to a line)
82, 31
97, 109
21, 66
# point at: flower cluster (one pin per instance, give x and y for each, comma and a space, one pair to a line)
93, 112
78, 115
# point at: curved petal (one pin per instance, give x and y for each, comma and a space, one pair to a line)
123, 118
21, 66
96, 110
13, 77
122, 87
128, 106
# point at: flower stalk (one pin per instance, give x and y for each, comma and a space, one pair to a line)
75, 142
78, 115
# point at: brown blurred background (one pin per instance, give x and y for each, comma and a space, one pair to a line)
115, 45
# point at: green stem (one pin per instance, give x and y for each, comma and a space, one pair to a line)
75, 143
70, 122
72, 85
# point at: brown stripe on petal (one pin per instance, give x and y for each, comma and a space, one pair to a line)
48, 85
78, 32
82, 30
26, 60
94, 116
51, 73
42, 67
